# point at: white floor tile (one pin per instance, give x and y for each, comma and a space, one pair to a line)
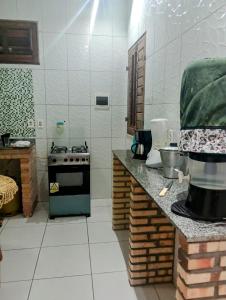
116, 286
42, 206
63, 261
15, 290
107, 257
39, 218
69, 288
67, 220
100, 214
166, 291
22, 237
101, 232
101, 202
65, 234
3, 224
18, 264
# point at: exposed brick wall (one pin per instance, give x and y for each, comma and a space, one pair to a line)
201, 270
121, 196
151, 241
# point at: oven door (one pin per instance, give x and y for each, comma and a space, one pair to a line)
69, 180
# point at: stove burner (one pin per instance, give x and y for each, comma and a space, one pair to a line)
58, 149
79, 149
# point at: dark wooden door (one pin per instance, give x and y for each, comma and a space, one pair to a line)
136, 85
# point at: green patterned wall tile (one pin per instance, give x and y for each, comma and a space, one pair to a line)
16, 102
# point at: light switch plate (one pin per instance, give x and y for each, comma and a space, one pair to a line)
30, 123
40, 123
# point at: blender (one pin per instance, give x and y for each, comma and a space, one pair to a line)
159, 130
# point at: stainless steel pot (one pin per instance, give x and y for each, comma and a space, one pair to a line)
172, 159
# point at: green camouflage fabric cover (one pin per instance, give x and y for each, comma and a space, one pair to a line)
203, 95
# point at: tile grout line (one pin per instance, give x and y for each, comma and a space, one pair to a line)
37, 261
91, 272
156, 291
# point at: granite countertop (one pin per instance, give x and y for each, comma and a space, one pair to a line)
152, 182
14, 140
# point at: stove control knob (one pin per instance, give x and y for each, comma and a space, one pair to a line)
71, 159
83, 159
65, 159
77, 159
54, 160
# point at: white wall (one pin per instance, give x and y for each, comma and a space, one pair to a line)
178, 32
75, 65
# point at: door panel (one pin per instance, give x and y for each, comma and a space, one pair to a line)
136, 85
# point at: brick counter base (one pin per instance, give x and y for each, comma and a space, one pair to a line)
121, 196
201, 270
151, 241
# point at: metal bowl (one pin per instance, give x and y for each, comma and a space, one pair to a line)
172, 159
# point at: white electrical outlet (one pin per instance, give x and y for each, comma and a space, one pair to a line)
30, 123
40, 123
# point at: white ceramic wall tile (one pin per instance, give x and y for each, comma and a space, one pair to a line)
119, 113
30, 10
195, 11
100, 214
12, 290
80, 141
120, 56
118, 143
158, 76
148, 81
102, 21
172, 72
119, 88
54, 16
101, 153
100, 123
41, 148
78, 52
101, 85
101, 183
55, 54
78, 16
39, 86
41, 164
101, 53
160, 24
101, 202
63, 261
150, 31
8, 9
56, 87
43, 191
18, 265
121, 11
40, 114
64, 288
79, 117
174, 16
54, 114
79, 87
